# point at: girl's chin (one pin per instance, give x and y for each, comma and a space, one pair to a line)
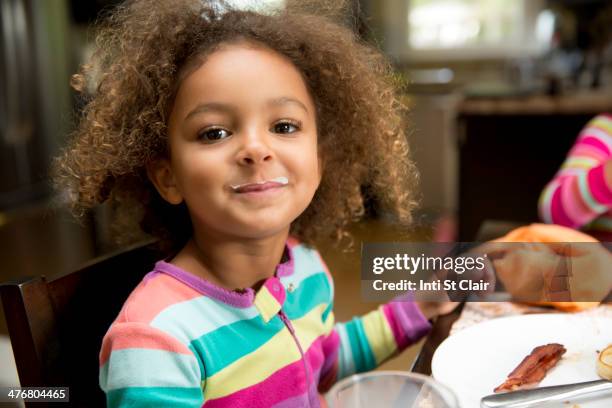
255, 224
262, 231
255, 227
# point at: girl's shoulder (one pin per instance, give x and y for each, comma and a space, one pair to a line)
306, 259
156, 293
308, 263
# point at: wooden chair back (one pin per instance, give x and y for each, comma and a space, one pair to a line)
56, 326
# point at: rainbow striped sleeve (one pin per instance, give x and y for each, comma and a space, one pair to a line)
365, 342
368, 341
142, 366
579, 192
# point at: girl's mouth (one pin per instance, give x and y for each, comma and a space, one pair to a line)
260, 185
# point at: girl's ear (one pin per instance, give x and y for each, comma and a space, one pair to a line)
161, 175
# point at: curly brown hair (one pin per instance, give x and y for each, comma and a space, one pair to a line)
143, 50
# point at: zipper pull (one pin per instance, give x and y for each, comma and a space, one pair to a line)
285, 320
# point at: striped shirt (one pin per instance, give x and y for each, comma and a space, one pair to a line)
180, 341
579, 195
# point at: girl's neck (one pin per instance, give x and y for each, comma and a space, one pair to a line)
232, 263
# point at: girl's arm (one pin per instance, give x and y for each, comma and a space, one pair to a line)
582, 189
141, 366
365, 342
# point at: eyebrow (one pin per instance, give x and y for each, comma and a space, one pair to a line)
283, 100
210, 107
227, 108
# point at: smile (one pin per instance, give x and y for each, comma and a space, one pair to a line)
260, 186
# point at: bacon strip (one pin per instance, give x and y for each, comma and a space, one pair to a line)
533, 368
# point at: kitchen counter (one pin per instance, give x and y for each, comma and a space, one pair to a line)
572, 103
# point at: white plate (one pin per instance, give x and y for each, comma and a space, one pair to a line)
475, 360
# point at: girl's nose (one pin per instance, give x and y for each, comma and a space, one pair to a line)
254, 151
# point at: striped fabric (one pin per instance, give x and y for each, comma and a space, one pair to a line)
579, 195
180, 341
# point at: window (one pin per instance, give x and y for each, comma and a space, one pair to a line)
469, 28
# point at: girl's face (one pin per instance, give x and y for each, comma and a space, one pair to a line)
243, 144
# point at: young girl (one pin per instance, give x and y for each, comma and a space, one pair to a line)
239, 139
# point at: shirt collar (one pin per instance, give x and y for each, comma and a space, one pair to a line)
268, 299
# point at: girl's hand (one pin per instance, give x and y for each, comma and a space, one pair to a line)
528, 271
433, 309
589, 265
522, 267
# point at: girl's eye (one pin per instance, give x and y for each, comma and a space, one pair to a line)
285, 127
213, 135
